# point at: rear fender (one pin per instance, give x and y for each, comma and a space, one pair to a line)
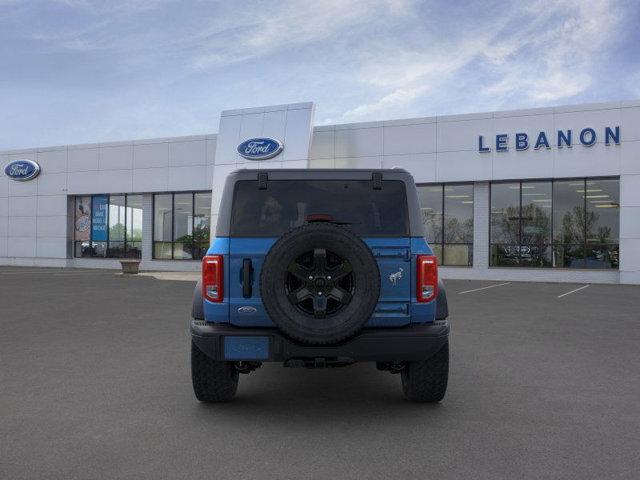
197, 308
442, 307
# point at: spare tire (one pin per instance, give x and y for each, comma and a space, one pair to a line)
320, 283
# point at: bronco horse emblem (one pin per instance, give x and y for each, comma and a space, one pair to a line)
394, 277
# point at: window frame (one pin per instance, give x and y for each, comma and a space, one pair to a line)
107, 241
553, 243
442, 244
173, 213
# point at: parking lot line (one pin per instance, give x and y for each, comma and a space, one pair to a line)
573, 291
484, 288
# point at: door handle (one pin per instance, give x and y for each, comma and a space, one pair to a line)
246, 277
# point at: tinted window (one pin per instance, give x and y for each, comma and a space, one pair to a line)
447, 215
287, 204
564, 223
568, 212
505, 213
535, 245
108, 226
458, 224
430, 197
182, 225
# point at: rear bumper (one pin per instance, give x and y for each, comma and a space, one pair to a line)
226, 342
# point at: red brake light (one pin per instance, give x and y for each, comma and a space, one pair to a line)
427, 275
213, 278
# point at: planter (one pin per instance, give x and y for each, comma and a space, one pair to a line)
130, 266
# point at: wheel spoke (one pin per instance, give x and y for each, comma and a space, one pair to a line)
319, 307
299, 295
340, 271
298, 271
340, 295
319, 259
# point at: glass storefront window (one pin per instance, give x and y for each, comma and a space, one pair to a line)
82, 226
108, 226
134, 226
162, 225
181, 225
569, 223
603, 223
505, 224
447, 215
458, 225
535, 240
564, 223
430, 198
201, 224
117, 220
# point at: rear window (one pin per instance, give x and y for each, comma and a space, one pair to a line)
287, 204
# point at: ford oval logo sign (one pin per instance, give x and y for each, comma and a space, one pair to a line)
22, 170
260, 148
247, 309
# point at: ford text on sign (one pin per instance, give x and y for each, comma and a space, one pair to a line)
22, 170
260, 148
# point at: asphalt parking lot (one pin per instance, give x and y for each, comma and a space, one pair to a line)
94, 383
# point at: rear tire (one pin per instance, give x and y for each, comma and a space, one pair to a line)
426, 380
213, 381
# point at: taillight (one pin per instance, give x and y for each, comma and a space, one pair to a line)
427, 275
213, 278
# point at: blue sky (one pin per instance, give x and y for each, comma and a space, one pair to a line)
76, 71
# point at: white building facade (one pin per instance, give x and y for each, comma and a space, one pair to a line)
549, 194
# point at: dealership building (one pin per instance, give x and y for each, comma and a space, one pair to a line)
547, 194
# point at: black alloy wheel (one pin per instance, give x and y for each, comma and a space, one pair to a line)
320, 283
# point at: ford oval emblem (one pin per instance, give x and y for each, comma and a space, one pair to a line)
22, 170
260, 148
247, 309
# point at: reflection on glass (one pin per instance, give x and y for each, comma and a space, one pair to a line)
458, 254
505, 255
182, 222
603, 211
505, 213
162, 217
458, 214
162, 250
116, 219
430, 197
535, 214
108, 226
134, 226
201, 224
601, 256
183, 225
568, 212
569, 256
564, 224
447, 215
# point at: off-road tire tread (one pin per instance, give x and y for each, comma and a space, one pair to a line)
426, 380
213, 381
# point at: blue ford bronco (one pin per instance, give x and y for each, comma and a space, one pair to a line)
319, 268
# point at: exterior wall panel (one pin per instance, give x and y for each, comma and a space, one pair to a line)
35, 219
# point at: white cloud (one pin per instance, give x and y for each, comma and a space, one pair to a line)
544, 52
258, 32
556, 63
